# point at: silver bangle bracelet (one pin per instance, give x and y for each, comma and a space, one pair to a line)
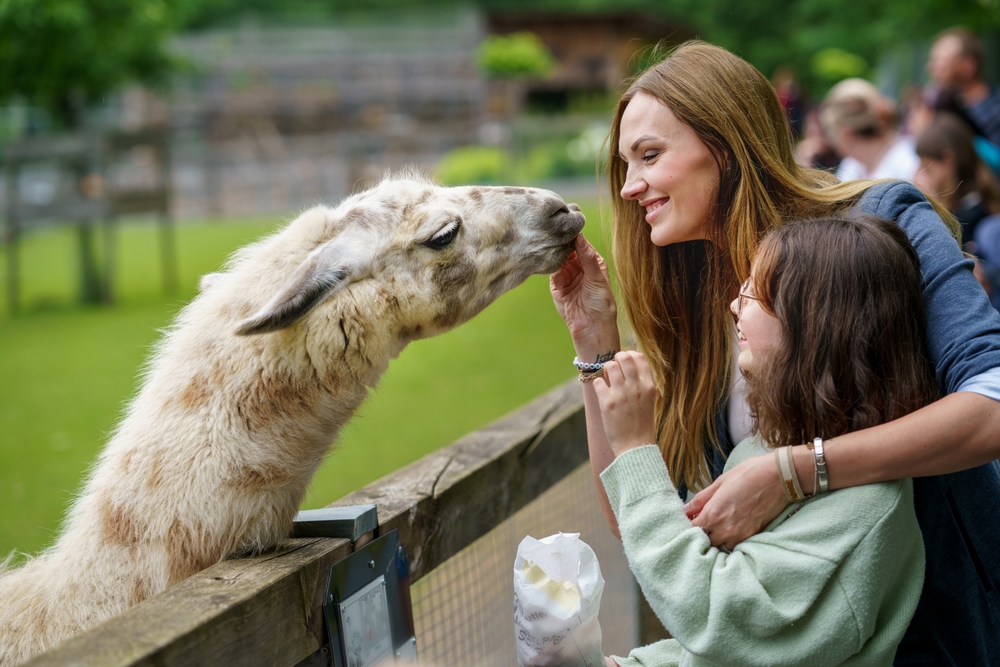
820, 459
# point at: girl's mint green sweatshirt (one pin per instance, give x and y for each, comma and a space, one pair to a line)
833, 581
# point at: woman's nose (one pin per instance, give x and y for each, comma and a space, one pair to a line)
633, 187
734, 306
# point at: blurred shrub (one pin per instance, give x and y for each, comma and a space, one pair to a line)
484, 165
833, 65
519, 54
536, 161
589, 145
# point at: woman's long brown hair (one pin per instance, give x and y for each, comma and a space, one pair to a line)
846, 292
677, 297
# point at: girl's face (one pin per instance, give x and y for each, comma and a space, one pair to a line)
671, 172
759, 331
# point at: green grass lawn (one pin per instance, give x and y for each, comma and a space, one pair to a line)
67, 371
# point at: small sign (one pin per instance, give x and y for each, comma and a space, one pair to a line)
365, 617
369, 618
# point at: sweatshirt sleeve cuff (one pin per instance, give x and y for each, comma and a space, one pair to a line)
637, 474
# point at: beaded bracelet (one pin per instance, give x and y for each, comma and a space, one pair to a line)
583, 366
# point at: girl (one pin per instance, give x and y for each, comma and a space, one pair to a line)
701, 167
831, 333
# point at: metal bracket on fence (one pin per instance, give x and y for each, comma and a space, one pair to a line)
350, 522
369, 617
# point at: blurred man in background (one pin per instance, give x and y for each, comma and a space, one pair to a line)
956, 62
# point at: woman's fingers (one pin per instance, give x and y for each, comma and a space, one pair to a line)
590, 259
566, 273
744, 500
697, 504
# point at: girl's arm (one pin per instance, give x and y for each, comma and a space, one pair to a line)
955, 433
582, 294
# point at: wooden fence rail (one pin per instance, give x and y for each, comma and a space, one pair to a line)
266, 610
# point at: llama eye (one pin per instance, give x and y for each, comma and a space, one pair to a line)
444, 237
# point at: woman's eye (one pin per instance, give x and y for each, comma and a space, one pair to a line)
650, 155
444, 237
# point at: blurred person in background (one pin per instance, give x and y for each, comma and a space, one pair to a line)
952, 172
956, 61
813, 149
791, 97
926, 104
862, 126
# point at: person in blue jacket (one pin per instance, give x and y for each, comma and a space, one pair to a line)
700, 167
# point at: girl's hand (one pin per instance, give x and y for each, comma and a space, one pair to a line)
627, 396
582, 293
739, 503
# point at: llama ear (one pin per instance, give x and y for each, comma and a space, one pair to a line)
324, 272
208, 281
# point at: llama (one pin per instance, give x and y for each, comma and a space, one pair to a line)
248, 390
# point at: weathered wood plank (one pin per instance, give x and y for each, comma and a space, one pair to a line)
251, 611
448, 499
267, 610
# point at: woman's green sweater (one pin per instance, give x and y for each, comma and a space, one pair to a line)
833, 581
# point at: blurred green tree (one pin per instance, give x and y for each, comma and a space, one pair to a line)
65, 54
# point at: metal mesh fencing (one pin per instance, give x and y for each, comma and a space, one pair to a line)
464, 609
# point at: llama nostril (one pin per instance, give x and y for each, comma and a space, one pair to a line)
555, 208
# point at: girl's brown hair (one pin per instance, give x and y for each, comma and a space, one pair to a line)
847, 295
677, 297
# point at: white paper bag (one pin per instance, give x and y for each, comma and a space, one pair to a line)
557, 594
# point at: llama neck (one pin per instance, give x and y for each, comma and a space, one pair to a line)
216, 452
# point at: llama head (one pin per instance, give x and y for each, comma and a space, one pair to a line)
436, 255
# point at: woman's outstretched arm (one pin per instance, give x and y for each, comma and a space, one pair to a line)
958, 432
582, 294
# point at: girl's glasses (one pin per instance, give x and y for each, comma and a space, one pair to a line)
743, 297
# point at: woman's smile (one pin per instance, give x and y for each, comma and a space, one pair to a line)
653, 207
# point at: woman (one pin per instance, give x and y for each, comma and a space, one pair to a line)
951, 172
831, 310
861, 124
701, 167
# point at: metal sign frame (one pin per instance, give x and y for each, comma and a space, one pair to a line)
368, 602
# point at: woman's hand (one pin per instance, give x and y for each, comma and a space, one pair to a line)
627, 396
582, 293
739, 503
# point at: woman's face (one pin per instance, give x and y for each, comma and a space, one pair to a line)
759, 331
671, 173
